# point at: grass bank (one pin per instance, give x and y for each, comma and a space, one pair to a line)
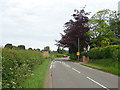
107, 65
17, 65
37, 79
21, 67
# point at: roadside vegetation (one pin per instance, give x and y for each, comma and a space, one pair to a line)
37, 79
98, 39
17, 65
107, 58
107, 65
25, 68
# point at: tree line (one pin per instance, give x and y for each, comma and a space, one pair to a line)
46, 48
101, 30
22, 47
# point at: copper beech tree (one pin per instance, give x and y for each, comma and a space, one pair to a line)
75, 29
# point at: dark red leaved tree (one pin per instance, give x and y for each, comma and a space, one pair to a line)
75, 29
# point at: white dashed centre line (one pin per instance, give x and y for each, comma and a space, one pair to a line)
76, 70
97, 83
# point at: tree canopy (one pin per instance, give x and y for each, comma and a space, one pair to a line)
75, 29
8, 45
104, 28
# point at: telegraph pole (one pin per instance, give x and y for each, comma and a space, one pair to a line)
78, 48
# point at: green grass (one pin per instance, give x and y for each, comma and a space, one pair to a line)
37, 80
17, 65
107, 65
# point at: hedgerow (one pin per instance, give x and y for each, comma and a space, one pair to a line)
17, 65
111, 51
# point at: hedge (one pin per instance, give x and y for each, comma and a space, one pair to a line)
17, 65
112, 51
73, 56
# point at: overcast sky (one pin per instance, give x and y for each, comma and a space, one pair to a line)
38, 23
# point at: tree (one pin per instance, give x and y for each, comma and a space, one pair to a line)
21, 47
37, 49
102, 31
62, 51
8, 46
30, 49
47, 48
75, 29
114, 22
14, 47
58, 50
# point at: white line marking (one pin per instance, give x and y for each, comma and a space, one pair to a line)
66, 65
51, 65
76, 70
97, 83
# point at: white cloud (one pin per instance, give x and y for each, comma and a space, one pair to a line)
37, 23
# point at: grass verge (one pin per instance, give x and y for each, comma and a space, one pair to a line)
107, 65
37, 80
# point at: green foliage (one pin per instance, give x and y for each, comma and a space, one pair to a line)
47, 48
37, 49
21, 47
104, 28
17, 66
8, 46
73, 56
84, 54
59, 50
62, 51
56, 55
118, 55
38, 76
60, 55
95, 53
108, 65
14, 47
110, 51
30, 49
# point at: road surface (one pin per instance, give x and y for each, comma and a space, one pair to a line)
67, 74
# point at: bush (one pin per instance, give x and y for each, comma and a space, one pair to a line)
8, 46
84, 54
110, 51
95, 53
17, 66
73, 56
21, 47
59, 55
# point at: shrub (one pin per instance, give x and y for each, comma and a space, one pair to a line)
18, 65
60, 55
95, 53
84, 54
8, 46
21, 47
110, 51
73, 56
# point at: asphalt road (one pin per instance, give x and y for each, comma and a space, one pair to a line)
67, 74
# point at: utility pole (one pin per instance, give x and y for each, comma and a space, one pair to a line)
78, 49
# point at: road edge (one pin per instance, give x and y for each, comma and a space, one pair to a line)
100, 70
48, 80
